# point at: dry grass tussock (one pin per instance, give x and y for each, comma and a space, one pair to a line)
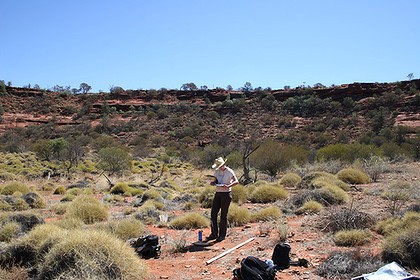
75, 254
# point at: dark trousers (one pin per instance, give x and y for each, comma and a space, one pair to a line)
221, 201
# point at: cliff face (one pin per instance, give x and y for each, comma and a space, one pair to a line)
26, 106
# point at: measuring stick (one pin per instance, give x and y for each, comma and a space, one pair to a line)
228, 251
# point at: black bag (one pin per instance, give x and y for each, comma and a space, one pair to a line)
281, 256
147, 247
253, 268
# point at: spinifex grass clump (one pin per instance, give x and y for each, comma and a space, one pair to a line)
270, 213
290, 180
353, 176
267, 193
190, 221
402, 241
88, 209
123, 229
353, 237
310, 207
237, 215
55, 253
239, 194
13, 187
403, 246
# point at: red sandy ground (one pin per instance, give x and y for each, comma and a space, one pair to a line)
305, 239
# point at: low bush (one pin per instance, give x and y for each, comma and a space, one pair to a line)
290, 180
238, 216
271, 213
267, 193
88, 209
345, 265
353, 237
13, 187
346, 219
375, 166
310, 206
397, 194
403, 247
189, 221
353, 176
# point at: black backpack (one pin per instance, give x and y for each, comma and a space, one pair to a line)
147, 247
253, 268
281, 256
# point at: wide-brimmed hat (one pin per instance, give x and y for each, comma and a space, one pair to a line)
218, 162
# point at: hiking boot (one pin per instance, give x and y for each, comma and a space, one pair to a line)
211, 237
220, 239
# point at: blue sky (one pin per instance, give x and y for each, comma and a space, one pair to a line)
157, 44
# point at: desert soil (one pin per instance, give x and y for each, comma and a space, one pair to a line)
306, 239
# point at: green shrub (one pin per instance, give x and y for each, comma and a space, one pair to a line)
11, 188
310, 206
271, 213
114, 160
353, 176
239, 194
267, 194
189, 221
353, 237
346, 152
125, 229
88, 209
403, 246
290, 180
238, 216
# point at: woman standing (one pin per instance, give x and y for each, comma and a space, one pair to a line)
225, 179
